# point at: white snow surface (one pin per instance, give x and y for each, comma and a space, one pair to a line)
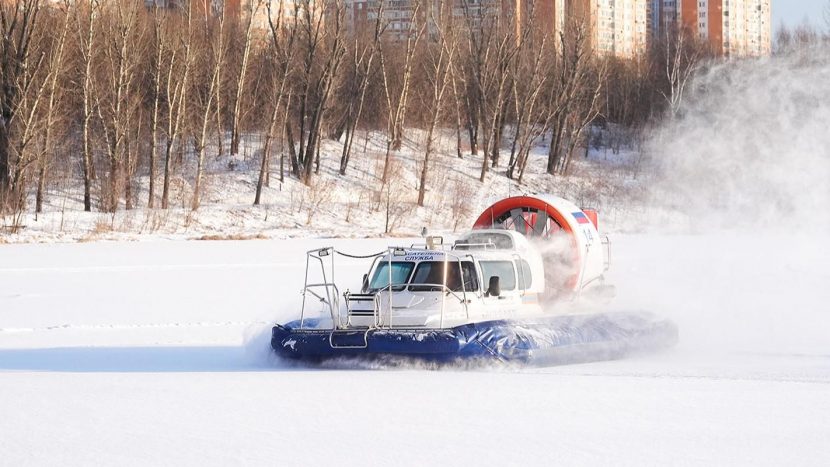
156, 353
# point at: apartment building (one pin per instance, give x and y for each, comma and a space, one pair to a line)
733, 28
361, 15
621, 27
615, 27
281, 11
204, 6
398, 14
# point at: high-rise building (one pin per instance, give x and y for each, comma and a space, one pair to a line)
615, 27
622, 27
732, 28
665, 14
203, 6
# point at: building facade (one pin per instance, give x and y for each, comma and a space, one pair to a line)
615, 27
622, 27
732, 28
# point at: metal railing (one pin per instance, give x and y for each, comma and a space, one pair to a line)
606, 242
328, 293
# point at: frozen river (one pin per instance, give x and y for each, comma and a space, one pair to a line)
153, 353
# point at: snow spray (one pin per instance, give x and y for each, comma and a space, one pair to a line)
751, 147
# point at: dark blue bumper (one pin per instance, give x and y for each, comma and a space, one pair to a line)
544, 341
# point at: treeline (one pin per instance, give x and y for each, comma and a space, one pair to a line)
103, 92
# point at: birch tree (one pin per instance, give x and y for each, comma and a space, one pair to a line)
18, 26
491, 47
397, 99
321, 42
56, 65
282, 52
574, 95
364, 54
33, 86
178, 66
116, 89
252, 8
86, 15
530, 75
440, 56
680, 56
210, 58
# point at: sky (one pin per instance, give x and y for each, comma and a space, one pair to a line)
793, 12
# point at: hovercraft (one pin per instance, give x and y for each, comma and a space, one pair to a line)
503, 292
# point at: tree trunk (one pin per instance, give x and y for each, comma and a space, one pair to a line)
128, 173
165, 186
154, 124
41, 181
87, 168
266, 150
347, 145
292, 151
243, 71
422, 187
4, 156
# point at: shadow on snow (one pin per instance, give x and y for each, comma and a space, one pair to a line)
142, 359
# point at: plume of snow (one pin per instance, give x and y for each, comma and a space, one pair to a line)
751, 148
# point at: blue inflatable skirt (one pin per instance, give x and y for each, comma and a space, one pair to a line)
549, 340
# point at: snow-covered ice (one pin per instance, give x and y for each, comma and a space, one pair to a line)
156, 352
149, 353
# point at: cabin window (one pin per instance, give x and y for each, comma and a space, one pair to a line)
481, 240
429, 275
503, 269
400, 275
525, 274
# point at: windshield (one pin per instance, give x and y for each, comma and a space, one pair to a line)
400, 275
432, 272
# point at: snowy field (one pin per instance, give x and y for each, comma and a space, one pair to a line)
152, 353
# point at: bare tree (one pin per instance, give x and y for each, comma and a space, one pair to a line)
159, 48
491, 47
392, 197
85, 19
116, 89
397, 99
530, 76
177, 71
28, 124
55, 65
208, 62
364, 53
18, 26
576, 90
680, 55
282, 51
440, 56
251, 10
455, 77
322, 49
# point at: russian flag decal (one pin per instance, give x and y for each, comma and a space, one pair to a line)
581, 217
